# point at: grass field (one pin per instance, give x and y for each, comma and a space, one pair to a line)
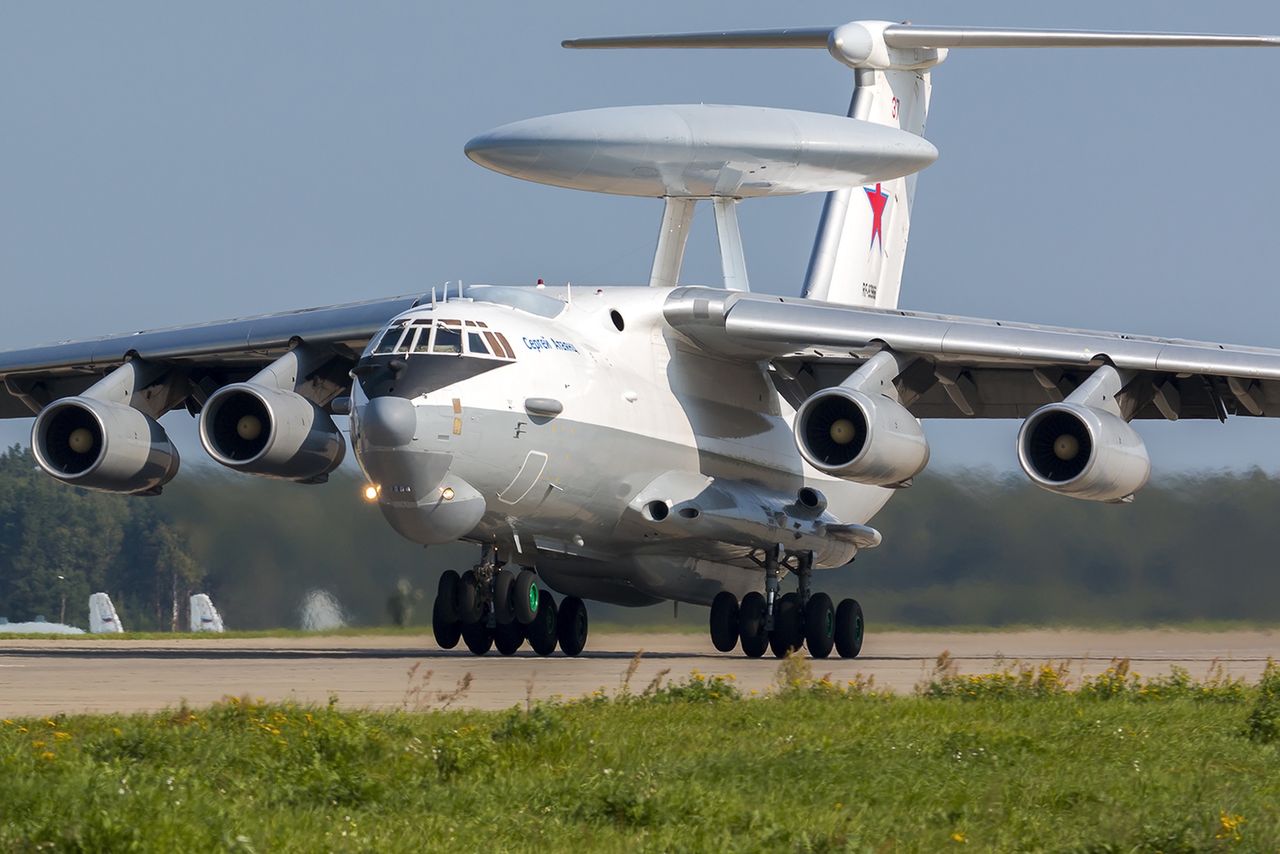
1025, 759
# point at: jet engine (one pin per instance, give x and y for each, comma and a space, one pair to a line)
1083, 452
271, 432
105, 446
866, 438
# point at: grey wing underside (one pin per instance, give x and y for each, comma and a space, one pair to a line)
212, 353
973, 368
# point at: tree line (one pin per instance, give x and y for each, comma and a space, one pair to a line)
960, 547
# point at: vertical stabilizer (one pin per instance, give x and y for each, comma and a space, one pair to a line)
204, 617
103, 619
861, 245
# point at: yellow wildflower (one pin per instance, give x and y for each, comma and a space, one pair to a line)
47, 756
1229, 826
959, 838
62, 736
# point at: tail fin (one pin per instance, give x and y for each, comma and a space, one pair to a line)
103, 618
861, 246
204, 617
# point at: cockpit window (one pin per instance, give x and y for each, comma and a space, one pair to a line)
448, 338
390, 338
423, 344
475, 344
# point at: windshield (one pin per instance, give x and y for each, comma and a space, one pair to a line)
390, 338
443, 337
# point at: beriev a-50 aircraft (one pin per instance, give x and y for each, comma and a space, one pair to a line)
663, 441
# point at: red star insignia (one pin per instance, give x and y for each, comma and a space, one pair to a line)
878, 200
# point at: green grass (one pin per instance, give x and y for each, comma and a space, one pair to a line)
1012, 762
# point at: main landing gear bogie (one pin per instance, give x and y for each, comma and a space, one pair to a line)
786, 622
491, 607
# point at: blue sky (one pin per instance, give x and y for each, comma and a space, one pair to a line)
169, 163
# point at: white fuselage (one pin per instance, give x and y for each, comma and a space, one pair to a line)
561, 433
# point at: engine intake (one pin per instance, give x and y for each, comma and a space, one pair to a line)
1083, 452
270, 432
104, 446
866, 438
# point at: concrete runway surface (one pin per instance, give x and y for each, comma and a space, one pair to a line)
46, 676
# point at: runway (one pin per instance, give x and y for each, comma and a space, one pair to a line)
48, 676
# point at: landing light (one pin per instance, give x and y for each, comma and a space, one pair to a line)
447, 493
370, 492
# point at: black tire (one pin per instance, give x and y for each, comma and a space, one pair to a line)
755, 640
503, 581
724, 621
477, 637
447, 597
470, 603
849, 628
524, 596
819, 625
509, 638
542, 631
447, 631
571, 625
788, 625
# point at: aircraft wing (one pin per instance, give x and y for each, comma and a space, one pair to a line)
974, 368
211, 354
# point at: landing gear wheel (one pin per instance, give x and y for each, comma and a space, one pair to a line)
542, 631
524, 596
447, 597
503, 581
788, 625
509, 638
849, 628
819, 625
571, 625
477, 637
755, 640
724, 621
470, 603
447, 631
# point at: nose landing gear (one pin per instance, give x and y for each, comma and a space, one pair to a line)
490, 606
786, 622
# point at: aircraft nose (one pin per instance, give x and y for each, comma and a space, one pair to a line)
447, 514
421, 498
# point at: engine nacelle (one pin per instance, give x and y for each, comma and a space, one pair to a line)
1083, 452
866, 438
105, 446
270, 432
